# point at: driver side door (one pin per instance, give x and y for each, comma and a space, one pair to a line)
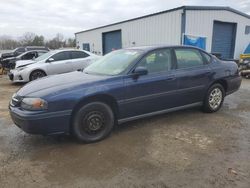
155, 90
61, 63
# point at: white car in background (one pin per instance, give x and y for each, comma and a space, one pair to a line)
53, 62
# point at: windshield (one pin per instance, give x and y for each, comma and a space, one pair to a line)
44, 56
113, 63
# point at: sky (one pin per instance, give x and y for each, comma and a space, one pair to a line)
48, 17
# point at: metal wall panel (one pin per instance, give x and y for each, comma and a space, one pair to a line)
200, 23
158, 29
166, 29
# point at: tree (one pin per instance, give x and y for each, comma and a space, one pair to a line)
7, 43
59, 37
38, 41
31, 39
27, 38
71, 42
56, 42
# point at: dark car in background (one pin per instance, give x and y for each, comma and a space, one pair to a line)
122, 86
10, 62
20, 50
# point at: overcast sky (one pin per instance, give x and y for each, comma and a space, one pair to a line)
48, 17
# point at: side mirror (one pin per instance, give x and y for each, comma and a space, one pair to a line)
140, 71
50, 60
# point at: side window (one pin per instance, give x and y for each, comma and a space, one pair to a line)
187, 58
40, 53
77, 55
207, 57
157, 61
61, 56
29, 55
20, 50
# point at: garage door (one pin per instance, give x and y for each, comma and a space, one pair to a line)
111, 41
223, 41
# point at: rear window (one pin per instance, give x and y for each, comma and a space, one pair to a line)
61, 56
20, 50
77, 55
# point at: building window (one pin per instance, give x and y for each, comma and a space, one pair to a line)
247, 30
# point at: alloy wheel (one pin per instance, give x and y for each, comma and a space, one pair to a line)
215, 98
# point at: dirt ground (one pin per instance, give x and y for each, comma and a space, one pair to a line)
181, 149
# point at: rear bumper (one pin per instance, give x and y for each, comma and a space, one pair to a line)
233, 84
41, 123
245, 72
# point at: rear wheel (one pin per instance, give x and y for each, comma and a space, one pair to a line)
93, 122
214, 98
37, 74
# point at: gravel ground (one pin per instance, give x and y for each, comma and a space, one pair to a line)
181, 149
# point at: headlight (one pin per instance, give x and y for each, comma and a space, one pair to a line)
34, 104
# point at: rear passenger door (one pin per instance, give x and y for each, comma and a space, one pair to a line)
193, 74
61, 63
80, 60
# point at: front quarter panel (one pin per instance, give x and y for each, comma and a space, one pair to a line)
68, 98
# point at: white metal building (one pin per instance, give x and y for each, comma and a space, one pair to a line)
224, 30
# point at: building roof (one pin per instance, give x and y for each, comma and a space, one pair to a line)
175, 9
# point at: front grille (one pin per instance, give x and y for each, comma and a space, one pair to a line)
16, 100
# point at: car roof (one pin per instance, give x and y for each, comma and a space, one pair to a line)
33, 51
155, 47
39, 50
70, 49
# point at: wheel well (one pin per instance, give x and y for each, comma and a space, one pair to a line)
223, 83
107, 99
37, 70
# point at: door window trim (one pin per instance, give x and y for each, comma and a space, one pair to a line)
69, 57
198, 66
152, 51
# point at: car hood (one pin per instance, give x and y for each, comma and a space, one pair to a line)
57, 83
22, 63
9, 58
7, 54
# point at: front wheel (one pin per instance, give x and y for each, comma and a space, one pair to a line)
214, 98
37, 74
93, 122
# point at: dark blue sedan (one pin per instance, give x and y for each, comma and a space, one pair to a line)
124, 85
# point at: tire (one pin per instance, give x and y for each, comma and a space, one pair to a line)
214, 98
37, 74
93, 122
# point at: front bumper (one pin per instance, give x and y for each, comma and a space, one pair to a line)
44, 123
16, 76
